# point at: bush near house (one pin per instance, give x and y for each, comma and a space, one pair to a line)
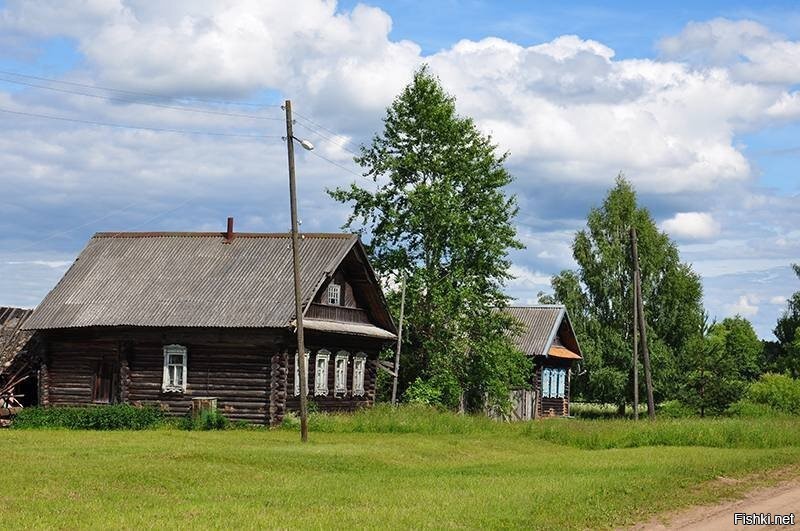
111, 417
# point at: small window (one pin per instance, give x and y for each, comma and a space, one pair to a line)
340, 379
562, 377
321, 373
546, 383
175, 374
297, 374
334, 294
359, 365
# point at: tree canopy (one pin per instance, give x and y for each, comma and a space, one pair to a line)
436, 210
599, 297
785, 356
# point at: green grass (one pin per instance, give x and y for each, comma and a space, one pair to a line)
383, 469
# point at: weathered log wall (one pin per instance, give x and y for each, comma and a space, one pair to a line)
333, 344
250, 371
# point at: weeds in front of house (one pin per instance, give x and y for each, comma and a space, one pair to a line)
110, 417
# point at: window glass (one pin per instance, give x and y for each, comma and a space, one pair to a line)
359, 365
340, 378
174, 379
321, 373
334, 294
297, 374
546, 383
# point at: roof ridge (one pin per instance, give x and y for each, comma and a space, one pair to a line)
538, 306
178, 234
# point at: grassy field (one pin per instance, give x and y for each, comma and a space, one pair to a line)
382, 470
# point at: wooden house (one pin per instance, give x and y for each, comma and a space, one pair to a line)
161, 318
548, 338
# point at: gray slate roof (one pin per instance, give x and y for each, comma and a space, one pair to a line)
540, 327
188, 280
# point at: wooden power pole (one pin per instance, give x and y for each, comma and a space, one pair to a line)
399, 341
298, 305
651, 408
635, 346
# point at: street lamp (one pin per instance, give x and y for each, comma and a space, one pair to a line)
298, 305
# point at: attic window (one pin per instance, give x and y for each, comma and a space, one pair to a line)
334, 294
174, 369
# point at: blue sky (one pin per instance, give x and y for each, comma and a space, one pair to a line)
697, 102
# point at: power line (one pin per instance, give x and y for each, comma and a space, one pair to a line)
137, 102
136, 93
335, 164
328, 138
320, 126
143, 128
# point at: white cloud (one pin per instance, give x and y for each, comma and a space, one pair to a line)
746, 306
525, 278
691, 225
751, 51
778, 300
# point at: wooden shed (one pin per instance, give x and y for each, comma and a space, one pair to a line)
548, 338
160, 318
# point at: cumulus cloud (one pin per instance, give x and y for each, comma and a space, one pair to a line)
569, 111
751, 51
691, 225
746, 306
778, 300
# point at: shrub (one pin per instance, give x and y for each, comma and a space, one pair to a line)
111, 417
675, 409
778, 391
206, 420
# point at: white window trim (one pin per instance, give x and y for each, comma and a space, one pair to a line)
297, 373
334, 292
321, 384
340, 381
174, 350
358, 376
562, 376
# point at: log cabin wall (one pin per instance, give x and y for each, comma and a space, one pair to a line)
230, 364
551, 406
333, 343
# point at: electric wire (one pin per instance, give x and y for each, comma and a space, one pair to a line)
348, 170
140, 127
138, 93
138, 102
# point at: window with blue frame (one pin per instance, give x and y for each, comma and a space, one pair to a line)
554, 383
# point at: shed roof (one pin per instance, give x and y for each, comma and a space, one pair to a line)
541, 325
190, 280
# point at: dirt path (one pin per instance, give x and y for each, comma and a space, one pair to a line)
781, 499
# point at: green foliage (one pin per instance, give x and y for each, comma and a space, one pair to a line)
206, 420
599, 297
784, 356
111, 417
436, 210
778, 391
719, 362
675, 409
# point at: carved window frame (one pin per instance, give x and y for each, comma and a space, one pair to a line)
322, 361
173, 379
297, 373
340, 376
359, 372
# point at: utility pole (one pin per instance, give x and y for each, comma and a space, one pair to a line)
399, 341
298, 305
635, 345
651, 408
